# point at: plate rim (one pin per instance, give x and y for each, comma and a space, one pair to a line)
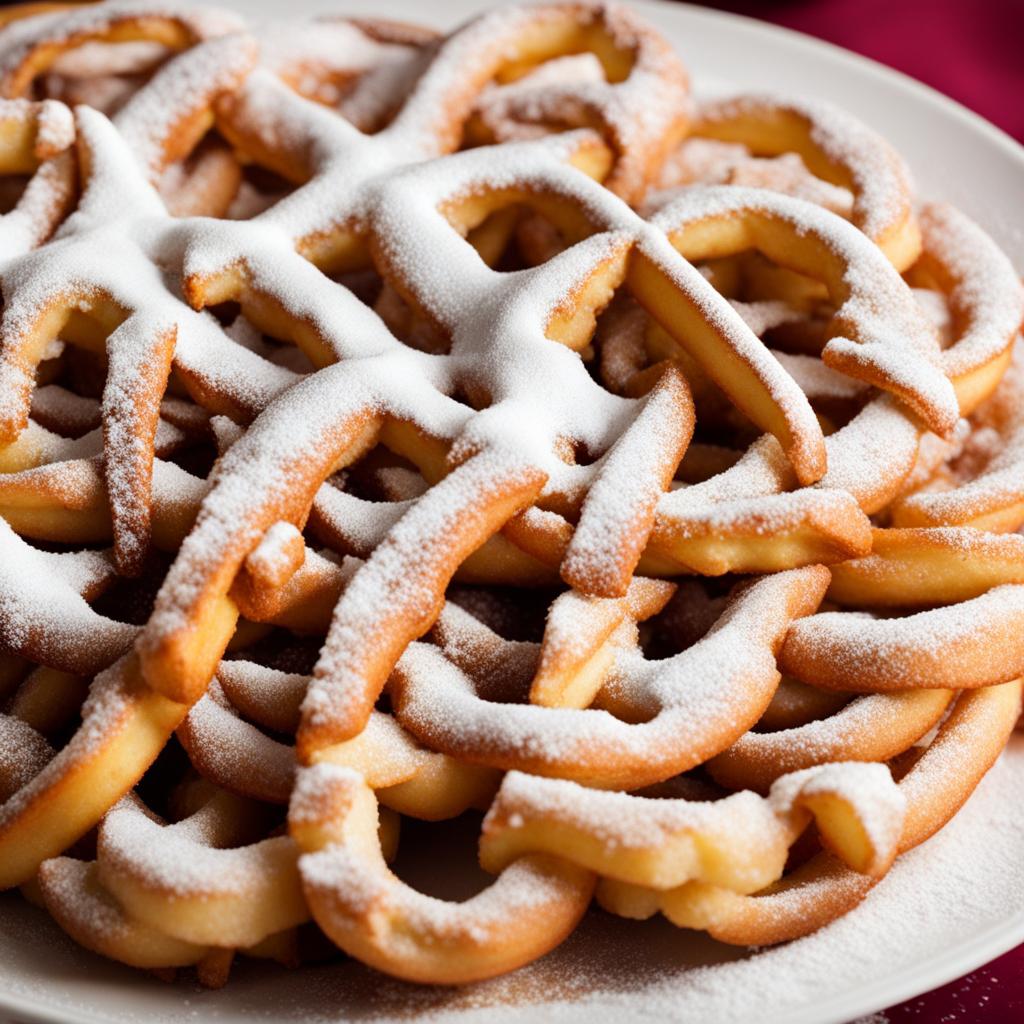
958, 961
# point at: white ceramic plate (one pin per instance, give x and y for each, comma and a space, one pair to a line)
946, 908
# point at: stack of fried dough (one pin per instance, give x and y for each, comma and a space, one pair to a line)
397, 425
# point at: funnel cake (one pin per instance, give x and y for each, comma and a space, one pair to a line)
405, 425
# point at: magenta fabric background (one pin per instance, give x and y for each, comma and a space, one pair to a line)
973, 51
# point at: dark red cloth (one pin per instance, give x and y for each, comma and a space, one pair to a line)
993, 994
972, 50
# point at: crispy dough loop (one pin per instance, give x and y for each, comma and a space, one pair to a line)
34, 44
670, 727
877, 727
79, 902
124, 726
982, 488
897, 352
167, 895
578, 648
173, 647
629, 60
477, 497
46, 616
233, 753
531, 907
966, 642
202, 880
229, 748
650, 450
504, 47
836, 147
81, 905
738, 843
104, 309
821, 890
882, 435
985, 294
35, 139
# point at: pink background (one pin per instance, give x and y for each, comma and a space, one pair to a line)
972, 50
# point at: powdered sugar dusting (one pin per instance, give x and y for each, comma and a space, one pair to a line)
43, 614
